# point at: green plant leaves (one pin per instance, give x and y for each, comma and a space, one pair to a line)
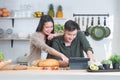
115, 58
1, 55
106, 61
58, 28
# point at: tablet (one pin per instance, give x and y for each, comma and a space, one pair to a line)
78, 62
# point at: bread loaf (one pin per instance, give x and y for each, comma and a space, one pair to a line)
48, 63
35, 62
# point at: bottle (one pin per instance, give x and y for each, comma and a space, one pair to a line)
51, 11
43, 55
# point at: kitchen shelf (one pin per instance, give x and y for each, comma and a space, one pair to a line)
90, 15
14, 39
17, 39
28, 18
13, 18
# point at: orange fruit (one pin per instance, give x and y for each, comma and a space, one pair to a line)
8, 13
4, 14
1, 12
4, 10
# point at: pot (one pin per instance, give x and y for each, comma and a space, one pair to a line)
82, 28
86, 31
116, 66
75, 19
98, 32
107, 29
90, 28
79, 22
106, 66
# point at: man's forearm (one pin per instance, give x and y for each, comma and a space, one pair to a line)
90, 55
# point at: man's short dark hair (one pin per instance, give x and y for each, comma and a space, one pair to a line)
71, 25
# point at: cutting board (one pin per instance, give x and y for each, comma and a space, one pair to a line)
14, 67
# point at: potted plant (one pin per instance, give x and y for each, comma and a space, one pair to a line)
1, 56
106, 63
115, 61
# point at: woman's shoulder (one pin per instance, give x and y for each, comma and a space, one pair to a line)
37, 34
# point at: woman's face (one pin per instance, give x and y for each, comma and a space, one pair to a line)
47, 28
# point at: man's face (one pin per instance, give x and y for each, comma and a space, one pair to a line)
69, 36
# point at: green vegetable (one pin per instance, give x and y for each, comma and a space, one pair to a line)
58, 28
93, 67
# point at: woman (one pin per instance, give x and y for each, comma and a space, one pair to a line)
40, 40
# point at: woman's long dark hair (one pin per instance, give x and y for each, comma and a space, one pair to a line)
43, 20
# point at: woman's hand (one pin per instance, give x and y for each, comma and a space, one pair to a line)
51, 36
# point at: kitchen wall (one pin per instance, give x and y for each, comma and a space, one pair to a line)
118, 21
102, 49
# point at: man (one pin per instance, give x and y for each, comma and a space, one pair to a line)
73, 42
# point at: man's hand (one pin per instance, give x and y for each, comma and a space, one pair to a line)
90, 55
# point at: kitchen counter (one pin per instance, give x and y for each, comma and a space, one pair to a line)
57, 75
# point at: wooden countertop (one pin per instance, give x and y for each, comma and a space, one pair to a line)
56, 72
57, 75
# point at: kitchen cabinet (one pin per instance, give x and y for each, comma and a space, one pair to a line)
57, 75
